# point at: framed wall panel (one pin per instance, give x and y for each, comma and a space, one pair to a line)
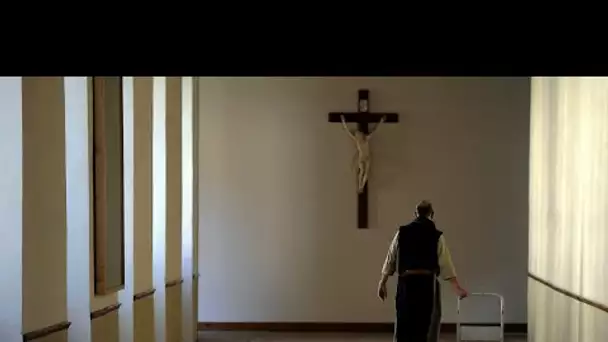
108, 186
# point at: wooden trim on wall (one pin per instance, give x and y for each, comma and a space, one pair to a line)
143, 295
104, 311
44, 332
510, 328
569, 294
174, 283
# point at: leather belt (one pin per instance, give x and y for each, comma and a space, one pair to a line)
417, 272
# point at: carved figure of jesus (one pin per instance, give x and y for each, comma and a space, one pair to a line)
362, 156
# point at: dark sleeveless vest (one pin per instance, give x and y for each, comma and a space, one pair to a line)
418, 243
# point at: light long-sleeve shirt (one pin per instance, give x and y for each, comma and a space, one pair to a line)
446, 267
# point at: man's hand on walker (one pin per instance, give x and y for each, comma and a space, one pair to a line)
460, 292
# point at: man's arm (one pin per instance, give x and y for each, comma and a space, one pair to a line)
390, 262
346, 128
390, 265
369, 136
446, 267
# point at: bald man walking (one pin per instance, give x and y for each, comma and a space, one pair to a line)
420, 255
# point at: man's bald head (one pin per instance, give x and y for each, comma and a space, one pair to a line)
425, 209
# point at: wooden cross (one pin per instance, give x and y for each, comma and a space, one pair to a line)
363, 117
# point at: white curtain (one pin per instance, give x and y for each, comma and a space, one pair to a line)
568, 208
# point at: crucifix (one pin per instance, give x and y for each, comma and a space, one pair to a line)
361, 137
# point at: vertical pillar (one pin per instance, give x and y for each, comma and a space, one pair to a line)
125, 296
159, 205
143, 298
195, 204
173, 231
44, 209
10, 208
78, 215
187, 208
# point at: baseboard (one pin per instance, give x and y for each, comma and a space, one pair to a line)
520, 328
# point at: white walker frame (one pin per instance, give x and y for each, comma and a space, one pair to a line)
501, 324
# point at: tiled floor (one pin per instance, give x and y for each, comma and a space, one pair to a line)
313, 337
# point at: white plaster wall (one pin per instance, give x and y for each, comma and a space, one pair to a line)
159, 195
78, 215
195, 202
10, 208
44, 276
568, 219
187, 205
278, 237
143, 182
126, 295
173, 237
